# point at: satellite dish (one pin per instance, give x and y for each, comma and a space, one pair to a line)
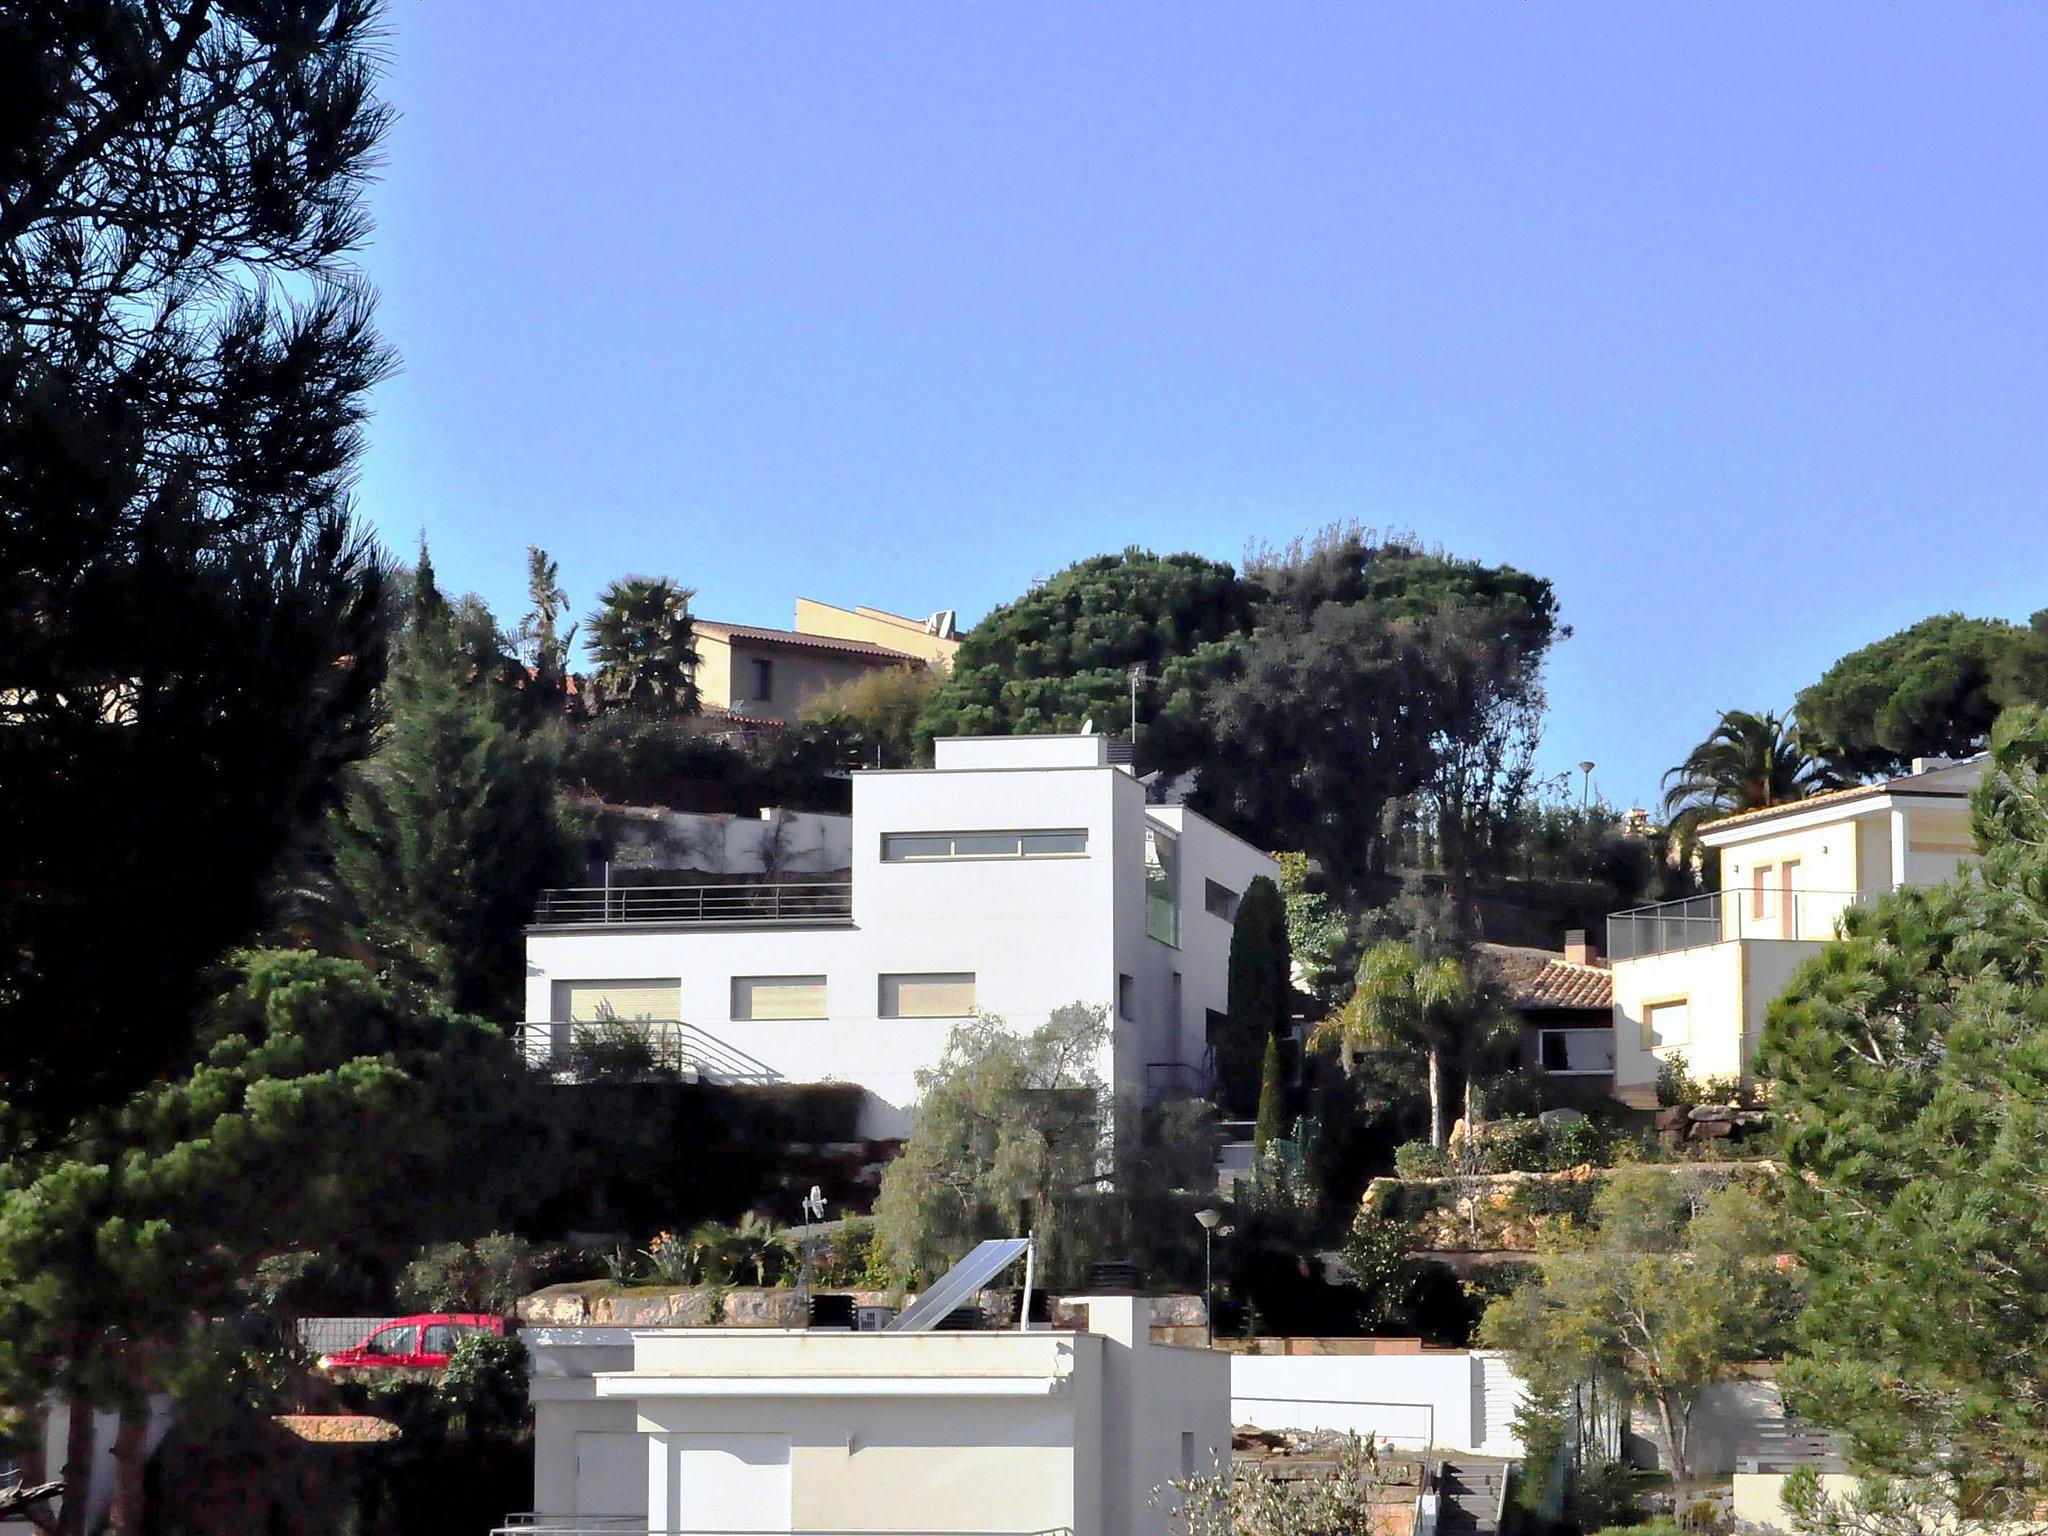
1088, 726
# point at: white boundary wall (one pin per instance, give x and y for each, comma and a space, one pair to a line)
1459, 1400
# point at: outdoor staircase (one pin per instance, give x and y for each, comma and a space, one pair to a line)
1469, 1496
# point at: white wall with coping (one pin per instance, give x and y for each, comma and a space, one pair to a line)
1036, 933
959, 1432
1448, 1398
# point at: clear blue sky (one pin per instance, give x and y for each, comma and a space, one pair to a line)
1729, 316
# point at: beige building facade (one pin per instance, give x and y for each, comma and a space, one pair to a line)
1695, 977
761, 674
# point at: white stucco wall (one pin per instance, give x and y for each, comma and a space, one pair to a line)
1448, 1398
957, 1432
1036, 933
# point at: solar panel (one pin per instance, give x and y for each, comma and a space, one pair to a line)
982, 1265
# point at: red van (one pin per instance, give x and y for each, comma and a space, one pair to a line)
416, 1343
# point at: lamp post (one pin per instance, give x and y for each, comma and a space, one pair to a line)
1586, 783
1211, 1219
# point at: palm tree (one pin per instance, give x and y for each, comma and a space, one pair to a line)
1749, 762
540, 635
643, 641
1405, 1001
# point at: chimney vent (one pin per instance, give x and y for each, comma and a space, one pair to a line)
1578, 950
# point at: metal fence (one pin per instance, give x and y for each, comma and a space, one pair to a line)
583, 1049
1720, 916
792, 902
328, 1335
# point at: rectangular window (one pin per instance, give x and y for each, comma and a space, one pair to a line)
1126, 997
764, 679
1219, 901
778, 997
1667, 1023
929, 847
1759, 889
1575, 1052
1162, 887
927, 995
584, 1001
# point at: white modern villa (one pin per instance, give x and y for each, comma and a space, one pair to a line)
1014, 876
1695, 977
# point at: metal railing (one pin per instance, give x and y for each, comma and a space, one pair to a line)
577, 1050
792, 902
1166, 1080
1721, 916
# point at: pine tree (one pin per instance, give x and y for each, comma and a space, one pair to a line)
188, 616
451, 831
1260, 998
1272, 1122
1910, 1071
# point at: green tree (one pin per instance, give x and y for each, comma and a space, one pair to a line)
644, 643
1747, 762
1911, 1068
543, 643
1402, 1000
1931, 690
116, 1247
1272, 1122
1009, 1127
1261, 994
878, 714
188, 633
450, 831
1320, 938
1665, 1294
1063, 653
1376, 670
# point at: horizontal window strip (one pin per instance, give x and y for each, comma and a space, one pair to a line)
778, 997
932, 847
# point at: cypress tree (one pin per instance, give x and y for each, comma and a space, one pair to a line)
1260, 989
1272, 1098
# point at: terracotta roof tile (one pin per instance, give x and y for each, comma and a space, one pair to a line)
1542, 978
790, 639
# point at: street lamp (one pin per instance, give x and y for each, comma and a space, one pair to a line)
1211, 1219
1586, 783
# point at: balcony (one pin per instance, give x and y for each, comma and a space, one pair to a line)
734, 903
1716, 918
583, 1050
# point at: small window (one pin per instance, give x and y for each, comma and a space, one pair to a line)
764, 679
778, 997
1219, 901
1126, 997
920, 847
438, 1340
928, 995
1759, 889
1667, 1023
1187, 1454
392, 1341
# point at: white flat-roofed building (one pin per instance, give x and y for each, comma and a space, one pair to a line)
1013, 877
1003, 1433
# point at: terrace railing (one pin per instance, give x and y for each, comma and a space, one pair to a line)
792, 903
1720, 916
576, 1050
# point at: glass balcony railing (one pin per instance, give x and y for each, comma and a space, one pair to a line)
1716, 918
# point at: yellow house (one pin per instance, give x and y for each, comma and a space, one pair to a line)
776, 674
1694, 977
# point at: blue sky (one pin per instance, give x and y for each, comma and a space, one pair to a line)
1727, 317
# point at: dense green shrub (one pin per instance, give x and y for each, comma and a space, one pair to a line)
1675, 1086
483, 1391
1554, 1197
1420, 1160
488, 1275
